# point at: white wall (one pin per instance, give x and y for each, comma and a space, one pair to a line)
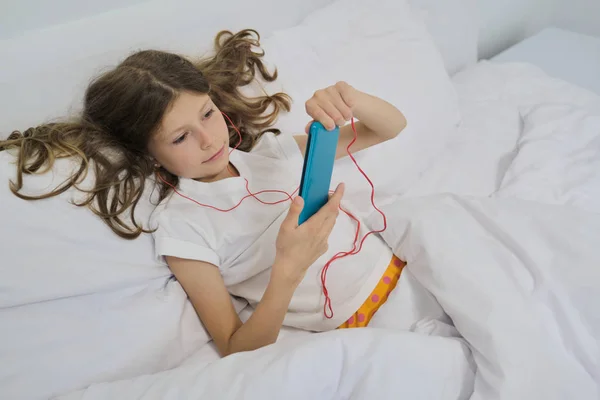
579, 15
506, 22
502, 22
17, 16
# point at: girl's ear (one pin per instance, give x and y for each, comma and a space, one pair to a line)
154, 163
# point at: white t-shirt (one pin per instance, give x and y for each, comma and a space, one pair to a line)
241, 243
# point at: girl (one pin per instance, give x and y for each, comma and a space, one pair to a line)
159, 115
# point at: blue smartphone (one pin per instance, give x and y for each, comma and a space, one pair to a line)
318, 167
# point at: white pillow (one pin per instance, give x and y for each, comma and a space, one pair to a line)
78, 304
385, 51
48, 79
66, 275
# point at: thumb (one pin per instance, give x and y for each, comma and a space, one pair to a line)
307, 128
294, 212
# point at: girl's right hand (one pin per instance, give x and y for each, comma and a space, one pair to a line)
299, 246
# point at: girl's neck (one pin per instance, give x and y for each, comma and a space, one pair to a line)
230, 172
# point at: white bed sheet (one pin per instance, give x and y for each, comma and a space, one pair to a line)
492, 98
474, 163
571, 56
483, 160
349, 364
509, 273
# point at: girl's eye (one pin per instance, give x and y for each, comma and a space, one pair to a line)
180, 139
209, 113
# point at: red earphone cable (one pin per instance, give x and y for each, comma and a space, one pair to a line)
327, 309
327, 305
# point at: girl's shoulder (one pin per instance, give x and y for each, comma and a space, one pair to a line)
282, 146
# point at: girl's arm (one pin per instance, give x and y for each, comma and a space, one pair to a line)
206, 290
297, 248
378, 120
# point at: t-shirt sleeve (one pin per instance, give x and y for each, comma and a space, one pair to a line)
282, 146
178, 237
289, 146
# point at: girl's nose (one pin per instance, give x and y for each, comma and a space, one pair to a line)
205, 138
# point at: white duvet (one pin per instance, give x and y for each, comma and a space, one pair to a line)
501, 296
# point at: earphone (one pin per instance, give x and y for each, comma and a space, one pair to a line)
357, 247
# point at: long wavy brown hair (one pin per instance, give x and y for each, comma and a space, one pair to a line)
123, 108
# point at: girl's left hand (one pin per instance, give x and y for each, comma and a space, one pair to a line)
332, 106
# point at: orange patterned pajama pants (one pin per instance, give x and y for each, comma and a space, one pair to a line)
378, 296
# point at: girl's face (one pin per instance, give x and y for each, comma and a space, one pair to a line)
193, 140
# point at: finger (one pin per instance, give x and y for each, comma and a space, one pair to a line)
332, 111
316, 221
336, 198
291, 220
329, 210
307, 129
340, 104
348, 93
318, 114
329, 223
326, 227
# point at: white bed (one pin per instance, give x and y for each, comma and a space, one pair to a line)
490, 107
508, 190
